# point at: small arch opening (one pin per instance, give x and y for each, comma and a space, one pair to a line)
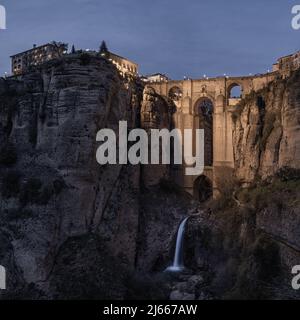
175, 93
204, 109
235, 91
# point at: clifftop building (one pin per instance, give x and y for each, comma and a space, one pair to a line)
21, 62
125, 66
156, 77
37, 55
287, 64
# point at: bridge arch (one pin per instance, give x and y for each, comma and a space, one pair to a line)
203, 119
202, 188
235, 91
204, 106
175, 93
150, 89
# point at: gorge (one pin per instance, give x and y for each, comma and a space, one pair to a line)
70, 228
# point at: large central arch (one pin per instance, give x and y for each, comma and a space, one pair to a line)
203, 115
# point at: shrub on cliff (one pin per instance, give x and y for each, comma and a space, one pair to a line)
260, 268
33, 191
288, 174
145, 287
85, 59
11, 184
30, 191
169, 186
58, 186
276, 193
8, 155
49, 191
85, 269
18, 213
226, 183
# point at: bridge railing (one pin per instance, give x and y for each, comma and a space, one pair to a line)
232, 102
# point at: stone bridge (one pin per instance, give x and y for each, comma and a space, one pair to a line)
208, 103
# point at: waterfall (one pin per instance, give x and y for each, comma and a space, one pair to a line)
178, 264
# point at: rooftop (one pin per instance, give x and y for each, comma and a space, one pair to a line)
39, 47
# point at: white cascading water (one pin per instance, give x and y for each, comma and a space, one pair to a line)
178, 264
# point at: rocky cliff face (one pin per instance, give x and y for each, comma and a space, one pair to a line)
65, 219
156, 113
70, 228
249, 237
267, 159
266, 131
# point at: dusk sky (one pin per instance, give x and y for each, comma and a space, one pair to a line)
179, 38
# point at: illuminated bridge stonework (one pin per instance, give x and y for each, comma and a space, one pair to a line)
190, 97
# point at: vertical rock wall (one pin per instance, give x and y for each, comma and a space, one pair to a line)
266, 130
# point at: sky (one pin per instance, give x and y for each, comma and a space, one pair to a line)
176, 37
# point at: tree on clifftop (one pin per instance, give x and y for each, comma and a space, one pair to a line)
103, 49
